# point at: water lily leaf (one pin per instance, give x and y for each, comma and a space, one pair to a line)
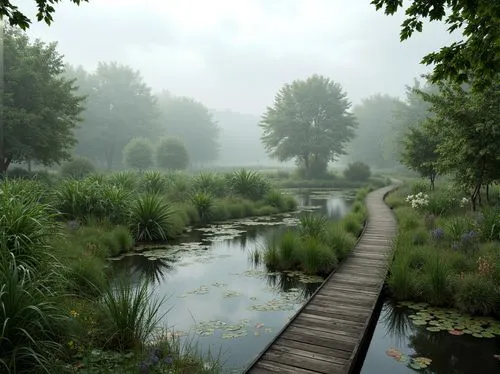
416, 366
419, 322
477, 335
402, 358
231, 293
488, 335
268, 330
433, 329
219, 284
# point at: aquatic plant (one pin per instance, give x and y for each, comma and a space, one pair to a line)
316, 257
313, 225
249, 184
204, 204
151, 219
212, 184
476, 294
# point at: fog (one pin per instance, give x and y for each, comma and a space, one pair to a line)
233, 56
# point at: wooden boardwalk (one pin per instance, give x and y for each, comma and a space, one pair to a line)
325, 336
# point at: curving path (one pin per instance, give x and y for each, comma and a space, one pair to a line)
325, 336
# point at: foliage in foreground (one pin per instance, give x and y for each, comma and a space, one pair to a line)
445, 254
317, 244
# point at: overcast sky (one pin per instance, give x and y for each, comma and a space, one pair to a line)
235, 54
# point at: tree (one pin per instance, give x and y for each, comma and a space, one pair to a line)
120, 107
375, 116
357, 171
138, 154
172, 154
309, 122
413, 112
420, 153
17, 18
40, 108
190, 121
477, 57
466, 122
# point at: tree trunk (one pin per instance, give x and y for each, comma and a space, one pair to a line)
474, 196
432, 179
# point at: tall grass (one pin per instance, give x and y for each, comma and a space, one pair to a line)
32, 321
129, 314
249, 184
154, 182
204, 205
212, 184
317, 258
313, 225
151, 219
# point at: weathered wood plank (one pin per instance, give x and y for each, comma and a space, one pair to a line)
325, 335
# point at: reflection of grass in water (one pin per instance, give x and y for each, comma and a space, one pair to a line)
396, 321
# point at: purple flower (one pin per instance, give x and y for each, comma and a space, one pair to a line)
437, 234
154, 359
168, 360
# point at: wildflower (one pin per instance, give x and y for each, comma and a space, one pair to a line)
168, 360
154, 359
464, 202
437, 234
73, 313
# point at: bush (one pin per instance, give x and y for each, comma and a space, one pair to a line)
126, 180
154, 182
172, 154
313, 225
138, 154
340, 241
78, 168
151, 219
357, 171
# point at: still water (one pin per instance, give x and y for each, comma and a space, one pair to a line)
399, 339
217, 294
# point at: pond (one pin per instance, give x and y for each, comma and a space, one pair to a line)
218, 295
410, 338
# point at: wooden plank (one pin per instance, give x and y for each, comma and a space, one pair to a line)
325, 335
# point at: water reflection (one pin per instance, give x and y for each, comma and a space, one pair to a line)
450, 354
217, 281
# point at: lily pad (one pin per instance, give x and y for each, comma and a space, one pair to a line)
231, 293
419, 322
433, 329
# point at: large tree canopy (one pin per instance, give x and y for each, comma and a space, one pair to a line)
120, 107
309, 122
375, 116
478, 55
466, 123
40, 108
192, 122
17, 18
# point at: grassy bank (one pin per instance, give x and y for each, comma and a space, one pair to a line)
59, 311
317, 245
445, 253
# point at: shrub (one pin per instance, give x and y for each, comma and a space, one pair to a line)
357, 171
172, 154
353, 223
151, 219
249, 184
401, 279
437, 281
129, 314
87, 276
138, 153
78, 168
